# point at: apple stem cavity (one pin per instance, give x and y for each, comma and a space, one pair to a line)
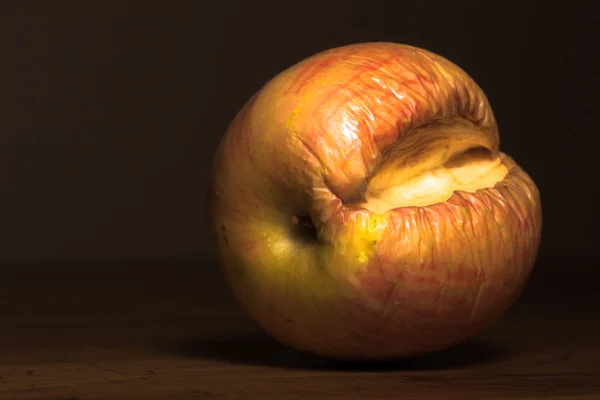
304, 229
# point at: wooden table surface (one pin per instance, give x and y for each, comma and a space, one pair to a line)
166, 332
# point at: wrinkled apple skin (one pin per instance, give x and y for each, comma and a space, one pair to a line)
369, 285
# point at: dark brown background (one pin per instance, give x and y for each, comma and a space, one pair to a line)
111, 111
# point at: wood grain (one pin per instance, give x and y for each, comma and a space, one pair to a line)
164, 332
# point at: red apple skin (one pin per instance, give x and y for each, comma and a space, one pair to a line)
370, 286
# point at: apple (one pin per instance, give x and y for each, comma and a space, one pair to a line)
361, 208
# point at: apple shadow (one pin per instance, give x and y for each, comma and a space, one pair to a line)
257, 349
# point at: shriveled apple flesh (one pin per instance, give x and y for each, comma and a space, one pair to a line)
429, 166
470, 173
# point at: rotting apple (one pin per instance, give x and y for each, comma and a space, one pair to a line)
361, 208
